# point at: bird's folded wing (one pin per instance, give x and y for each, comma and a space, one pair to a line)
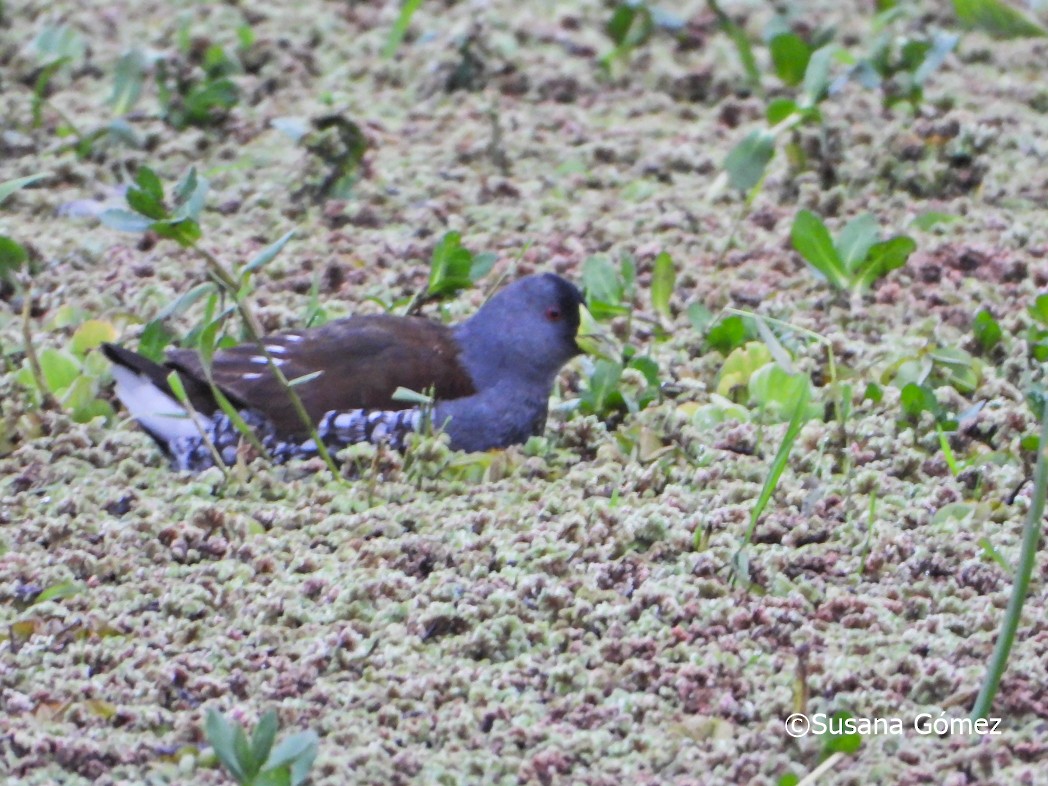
354, 363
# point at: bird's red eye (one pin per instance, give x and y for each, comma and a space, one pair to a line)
552, 313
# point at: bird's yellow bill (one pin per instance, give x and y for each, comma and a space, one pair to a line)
595, 339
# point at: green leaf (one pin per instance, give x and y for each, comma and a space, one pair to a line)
146, 180
189, 197
221, 733
400, 27
663, 280
8, 187
742, 46
882, 259
740, 365
12, 256
125, 220
185, 232
449, 270
931, 218
60, 369
846, 743
630, 25
299, 750
604, 287
790, 55
262, 740
997, 18
91, 335
1039, 309
727, 334
60, 42
482, 265
65, 589
915, 399
817, 74
986, 330
128, 77
779, 109
266, 255
812, 241
599, 397
144, 204
856, 239
798, 393
748, 160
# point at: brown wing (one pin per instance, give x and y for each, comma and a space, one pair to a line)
361, 360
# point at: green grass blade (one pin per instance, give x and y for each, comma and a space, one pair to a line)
802, 387
1021, 583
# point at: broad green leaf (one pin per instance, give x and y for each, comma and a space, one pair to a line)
8, 187
60, 42
12, 256
482, 265
1039, 309
772, 389
450, 267
748, 160
60, 369
812, 241
663, 280
727, 334
779, 109
81, 399
846, 743
146, 180
740, 365
221, 733
604, 288
91, 335
856, 239
128, 78
266, 255
915, 399
817, 74
143, 203
882, 259
997, 18
790, 55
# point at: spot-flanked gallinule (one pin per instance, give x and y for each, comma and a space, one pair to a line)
491, 378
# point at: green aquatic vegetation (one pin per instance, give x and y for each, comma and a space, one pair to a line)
257, 761
631, 380
856, 258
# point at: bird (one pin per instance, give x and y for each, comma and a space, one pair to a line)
489, 379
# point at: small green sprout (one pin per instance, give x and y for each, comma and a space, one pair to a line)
986, 330
857, 258
256, 762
